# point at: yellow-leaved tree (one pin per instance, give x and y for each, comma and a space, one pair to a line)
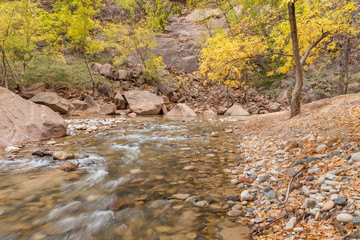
280, 29
75, 29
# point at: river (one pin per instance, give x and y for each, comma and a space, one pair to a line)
131, 183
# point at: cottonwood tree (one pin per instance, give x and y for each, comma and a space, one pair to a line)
75, 29
281, 29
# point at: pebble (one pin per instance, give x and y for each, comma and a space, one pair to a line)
290, 224
270, 194
321, 148
135, 171
270, 219
340, 201
280, 152
298, 229
356, 157
234, 199
357, 213
189, 168
11, 149
321, 180
244, 180
306, 190
236, 207
263, 178
309, 178
329, 205
181, 196
249, 210
201, 204
298, 162
247, 196
332, 183
356, 220
234, 181
310, 203
330, 176
234, 213
344, 217
311, 159
59, 155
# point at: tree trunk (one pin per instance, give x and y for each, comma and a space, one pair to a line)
295, 99
91, 75
4, 79
344, 67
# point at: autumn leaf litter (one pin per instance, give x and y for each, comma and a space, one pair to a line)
299, 178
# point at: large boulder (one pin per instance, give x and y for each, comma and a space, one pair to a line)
34, 89
109, 71
144, 102
23, 121
119, 101
53, 101
181, 110
237, 110
107, 109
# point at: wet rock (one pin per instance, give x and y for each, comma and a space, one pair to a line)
181, 196
68, 166
181, 110
118, 204
329, 205
201, 204
237, 110
189, 168
58, 155
12, 149
137, 180
42, 153
290, 224
234, 213
234, 199
341, 201
344, 217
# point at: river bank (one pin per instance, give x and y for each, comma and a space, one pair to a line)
299, 178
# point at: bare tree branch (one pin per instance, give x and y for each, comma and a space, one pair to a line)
307, 53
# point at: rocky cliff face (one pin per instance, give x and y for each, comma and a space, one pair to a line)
179, 46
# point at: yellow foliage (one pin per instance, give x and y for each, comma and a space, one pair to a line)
228, 59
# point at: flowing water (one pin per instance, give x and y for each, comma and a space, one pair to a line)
125, 183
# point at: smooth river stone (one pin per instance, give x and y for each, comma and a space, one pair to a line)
181, 196
329, 205
344, 217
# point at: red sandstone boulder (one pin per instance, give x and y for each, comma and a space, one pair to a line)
23, 121
144, 102
53, 101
